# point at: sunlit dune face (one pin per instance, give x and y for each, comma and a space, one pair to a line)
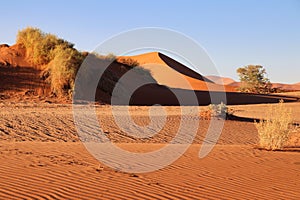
165, 74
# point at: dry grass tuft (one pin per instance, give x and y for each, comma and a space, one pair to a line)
63, 69
57, 57
39, 45
128, 61
275, 130
60, 62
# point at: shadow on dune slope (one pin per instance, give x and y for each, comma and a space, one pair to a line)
182, 68
20, 79
154, 94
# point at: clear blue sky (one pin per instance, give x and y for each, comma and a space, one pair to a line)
234, 33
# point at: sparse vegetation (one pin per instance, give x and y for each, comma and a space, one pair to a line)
39, 45
107, 58
57, 57
63, 69
253, 79
60, 62
218, 110
128, 61
275, 130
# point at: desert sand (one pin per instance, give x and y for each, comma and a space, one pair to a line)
221, 80
170, 74
19, 79
167, 71
42, 158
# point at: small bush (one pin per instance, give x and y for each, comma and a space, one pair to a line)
60, 59
275, 130
60, 62
39, 45
129, 62
109, 58
218, 110
63, 69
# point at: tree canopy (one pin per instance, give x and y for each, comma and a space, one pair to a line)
253, 79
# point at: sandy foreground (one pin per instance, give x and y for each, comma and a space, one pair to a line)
42, 158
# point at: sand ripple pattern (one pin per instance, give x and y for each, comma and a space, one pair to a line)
43, 170
54, 123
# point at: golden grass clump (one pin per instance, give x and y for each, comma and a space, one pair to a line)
57, 57
39, 45
60, 62
275, 130
63, 69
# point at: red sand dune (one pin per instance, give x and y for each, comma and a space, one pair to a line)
221, 80
167, 71
287, 87
281, 86
13, 55
235, 84
16, 75
171, 74
19, 78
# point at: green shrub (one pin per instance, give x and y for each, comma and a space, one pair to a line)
253, 79
275, 130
